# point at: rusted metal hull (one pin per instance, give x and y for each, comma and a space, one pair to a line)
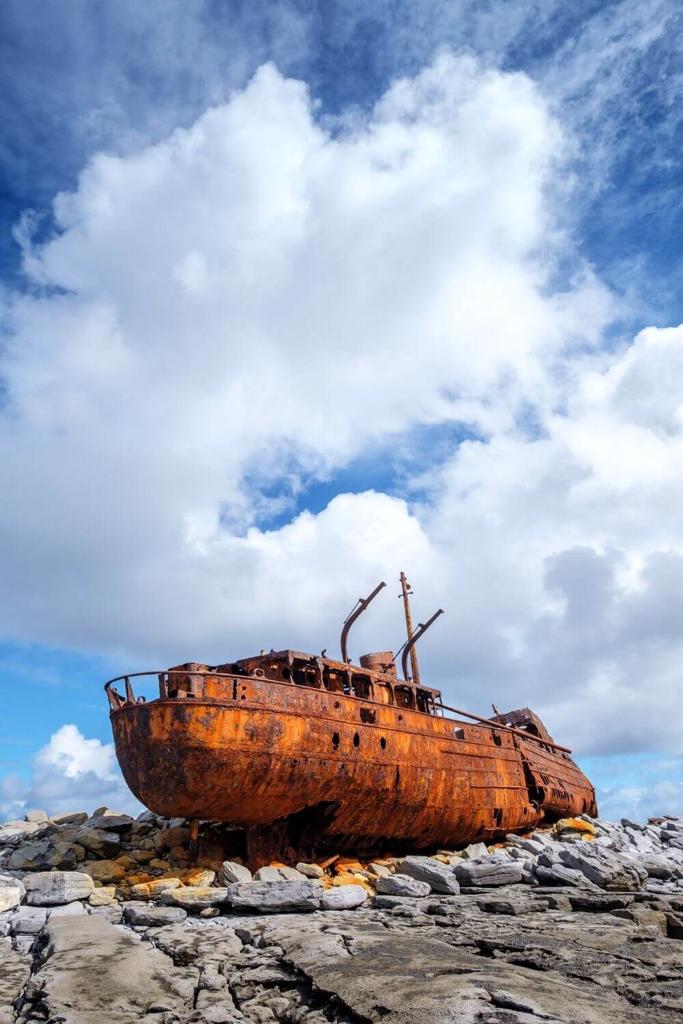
358, 774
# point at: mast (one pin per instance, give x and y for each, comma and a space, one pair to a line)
405, 589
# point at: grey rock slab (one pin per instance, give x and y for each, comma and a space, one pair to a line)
96, 840
343, 897
94, 971
15, 968
657, 866
28, 920
309, 870
109, 822
13, 832
488, 872
395, 979
75, 818
604, 868
192, 941
75, 909
44, 854
402, 885
268, 874
50, 888
195, 898
276, 896
230, 872
153, 917
440, 877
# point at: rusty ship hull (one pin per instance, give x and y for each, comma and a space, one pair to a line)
337, 758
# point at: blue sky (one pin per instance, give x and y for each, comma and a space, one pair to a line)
295, 295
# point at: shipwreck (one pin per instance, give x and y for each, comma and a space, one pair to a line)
305, 752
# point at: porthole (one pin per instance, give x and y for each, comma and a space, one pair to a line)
383, 743
335, 740
356, 739
459, 733
337, 704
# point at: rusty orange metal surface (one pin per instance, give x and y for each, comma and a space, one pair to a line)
337, 755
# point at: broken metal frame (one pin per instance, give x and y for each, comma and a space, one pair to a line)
357, 610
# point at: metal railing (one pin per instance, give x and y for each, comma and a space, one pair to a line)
116, 701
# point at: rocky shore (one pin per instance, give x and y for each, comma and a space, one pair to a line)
105, 918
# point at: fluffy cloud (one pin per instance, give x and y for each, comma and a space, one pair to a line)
265, 295
260, 290
70, 773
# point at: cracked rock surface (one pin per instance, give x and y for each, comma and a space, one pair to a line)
581, 924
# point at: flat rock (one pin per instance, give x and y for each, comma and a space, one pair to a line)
488, 873
50, 888
153, 917
402, 885
109, 822
195, 898
13, 832
28, 920
308, 870
438, 876
344, 897
126, 979
15, 968
275, 897
398, 980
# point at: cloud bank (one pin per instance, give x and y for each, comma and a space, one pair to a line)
259, 299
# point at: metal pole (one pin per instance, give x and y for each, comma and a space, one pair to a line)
405, 589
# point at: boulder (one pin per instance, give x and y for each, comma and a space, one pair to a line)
202, 877
656, 865
231, 871
291, 874
268, 874
275, 897
28, 920
37, 816
489, 872
43, 855
157, 886
51, 888
605, 868
194, 898
436, 874
75, 818
105, 871
108, 821
102, 897
14, 832
167, 838
402, 885
308, 870
99, 842
344, 897
475, 851
153, 917
12, 892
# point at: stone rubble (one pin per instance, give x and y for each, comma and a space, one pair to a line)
114, 919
